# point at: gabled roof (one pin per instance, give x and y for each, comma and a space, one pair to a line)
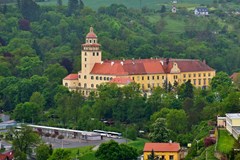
121, 80
148, 66
187, 65
162, 147
71, 77
7, 155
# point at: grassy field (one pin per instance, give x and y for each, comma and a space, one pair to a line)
225, 142
138, 144
155, 4
85, 153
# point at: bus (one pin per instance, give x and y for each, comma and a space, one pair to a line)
114, 135
101, 132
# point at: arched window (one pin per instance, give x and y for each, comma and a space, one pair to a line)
85, 85
66, 84
92, 85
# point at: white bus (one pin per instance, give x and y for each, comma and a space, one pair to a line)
114, 134
101, 132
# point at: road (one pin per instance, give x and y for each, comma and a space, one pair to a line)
74, 143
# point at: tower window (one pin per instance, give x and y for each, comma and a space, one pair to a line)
100, 78
85, 66
93, 41
90, 41
93, 53
66, 84
85, 59
97, 78
158, 77
142, 77
85, 77
92, 77
104, 78
152, 77
79, 76
85, 53
97, 54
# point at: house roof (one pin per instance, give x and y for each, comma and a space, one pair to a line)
235, 75
162, 147
147, 66
71, 77
121, 80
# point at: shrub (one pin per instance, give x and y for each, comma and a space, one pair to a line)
208, 141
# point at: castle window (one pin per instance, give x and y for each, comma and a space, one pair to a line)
142, 77
93, 41
189, 75
204, 81
199, 81
132, 78
194, 81
92, 77
194, 75
79, 76
66, 84
97, 54
90, 41
85, 53
184, 75
157, 77
85, 59
85, 77
148, 77
107, 78
152, 77
96, 77
204, 74
149, 86
199, 75
79, 84
92, 85
100, 78
85, 66
93, 53
162, 77
209, 74
104, 78
85, 85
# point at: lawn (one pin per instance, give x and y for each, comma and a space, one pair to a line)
225, 142
86, 153
138, 144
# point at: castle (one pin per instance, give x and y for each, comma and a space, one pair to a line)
149, 73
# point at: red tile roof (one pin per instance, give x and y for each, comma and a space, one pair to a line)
147, 66
91, 44
235, 75
121, 80
189, 65
71, 77
162, 147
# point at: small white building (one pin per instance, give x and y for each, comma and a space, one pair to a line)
201, 11
233, 124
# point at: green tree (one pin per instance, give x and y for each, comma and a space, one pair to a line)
72, 6
55, 73
113, 151
221, 80
43, 152
38, 98
27, 112
30, 66
61, 154
177, 121
159, 131
23, 142
30, 9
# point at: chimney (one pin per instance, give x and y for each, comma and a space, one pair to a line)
204, 61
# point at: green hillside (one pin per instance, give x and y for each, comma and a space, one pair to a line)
154, 4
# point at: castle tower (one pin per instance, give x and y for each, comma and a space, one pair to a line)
91, 52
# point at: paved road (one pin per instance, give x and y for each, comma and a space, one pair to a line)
73, 143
